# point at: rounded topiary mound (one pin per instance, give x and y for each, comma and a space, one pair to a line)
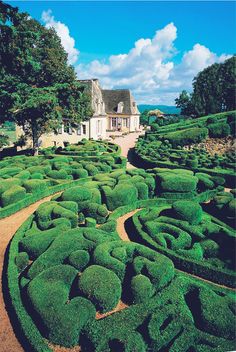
102, 286
188, 211
142, 288
79, 259
77, 194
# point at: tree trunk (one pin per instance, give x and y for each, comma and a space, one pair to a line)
35, 138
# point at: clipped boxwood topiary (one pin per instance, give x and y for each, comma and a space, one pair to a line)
102, 286
22, 260
77, 194
188, 210
12, 195
79, 259
142, 288
122, 194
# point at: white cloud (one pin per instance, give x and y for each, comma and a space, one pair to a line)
149, 70
63, 32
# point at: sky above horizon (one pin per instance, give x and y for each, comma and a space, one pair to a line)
153, 48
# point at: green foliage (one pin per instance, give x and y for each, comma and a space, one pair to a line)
218, 130
213, 90
142, 288
63, 321
22, 261
188, 211
4, 140
38, 89
12, 195
101, 286
187, 136
77, 194
122, 194
79, 259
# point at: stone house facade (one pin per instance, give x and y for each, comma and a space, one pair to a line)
113, 110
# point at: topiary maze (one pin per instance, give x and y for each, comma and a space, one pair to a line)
73, 281
177, 145
25, 179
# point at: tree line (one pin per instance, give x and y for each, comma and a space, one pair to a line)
214, 90
38, 89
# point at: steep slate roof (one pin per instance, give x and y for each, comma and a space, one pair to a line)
113, 97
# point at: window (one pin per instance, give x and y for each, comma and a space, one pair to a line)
98, 127
84, 129
120, 107
70, 130
60, 129
113, 122
79, 130
126, 122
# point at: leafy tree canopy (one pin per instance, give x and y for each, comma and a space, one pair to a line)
38, 89
214, 90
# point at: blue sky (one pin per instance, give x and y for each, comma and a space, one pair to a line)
174, 40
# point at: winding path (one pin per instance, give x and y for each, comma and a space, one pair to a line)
8, 227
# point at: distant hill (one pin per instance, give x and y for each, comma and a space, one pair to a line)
164, 108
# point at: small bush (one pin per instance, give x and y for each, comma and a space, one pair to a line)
77, 194
101, 286
79, 259
22, 260
13, 195
219, 130
188, 211
35, 186
122, 194
142, 288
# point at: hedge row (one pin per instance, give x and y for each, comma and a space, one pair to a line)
154, 234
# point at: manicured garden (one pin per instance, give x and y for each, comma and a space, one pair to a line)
177, 145
69, 269
25, 179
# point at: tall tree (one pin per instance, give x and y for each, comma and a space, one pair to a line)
184, 103
214, 88
37, 86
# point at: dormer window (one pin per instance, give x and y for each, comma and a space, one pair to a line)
120, 107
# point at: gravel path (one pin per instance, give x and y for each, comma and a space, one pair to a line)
8, 227
127, 144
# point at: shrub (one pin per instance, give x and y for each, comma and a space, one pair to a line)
90, 222
187, 136
94, 210
188, 211
63, 320
210, 248
37, 176
6, 184
79, 173
122, 194
35, 186
79, 259
22, 260
58, 175
175, 183
101, 286
77, 194
142, 288
12, 195
142, 189
218, 130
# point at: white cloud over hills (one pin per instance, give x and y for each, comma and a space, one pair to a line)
148, 69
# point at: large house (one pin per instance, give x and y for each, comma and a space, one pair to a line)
113, 110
